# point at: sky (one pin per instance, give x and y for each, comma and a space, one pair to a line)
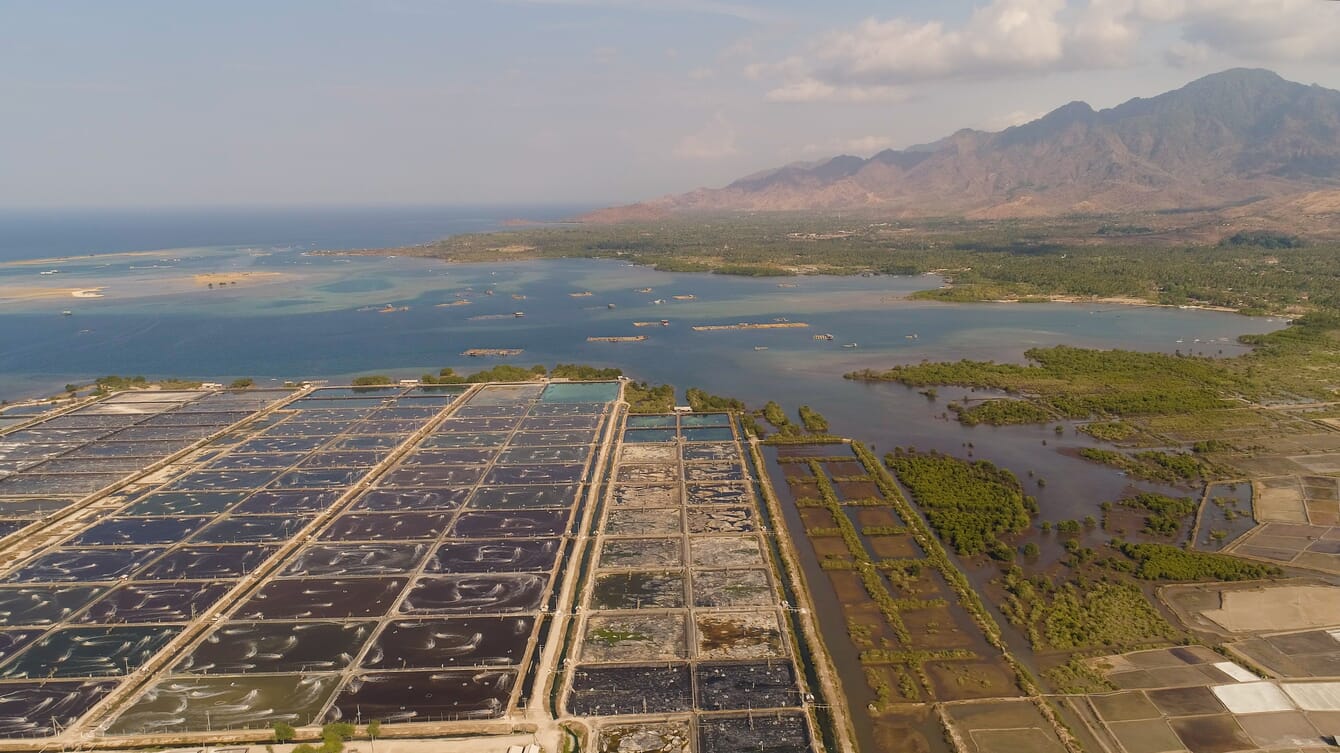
149, 103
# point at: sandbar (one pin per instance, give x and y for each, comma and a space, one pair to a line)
32, 292
233, 278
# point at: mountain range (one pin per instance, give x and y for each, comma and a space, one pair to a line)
1231, 138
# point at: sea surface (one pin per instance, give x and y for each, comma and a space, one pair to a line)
280, 312
37, 234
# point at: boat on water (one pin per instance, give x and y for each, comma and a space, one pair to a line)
50, 272
519, 314
850, 345
760, 347
67, 313
824, 336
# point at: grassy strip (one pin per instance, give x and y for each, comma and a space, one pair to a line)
786, 439
889, 656
864, 565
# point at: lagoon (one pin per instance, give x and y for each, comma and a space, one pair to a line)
295, 315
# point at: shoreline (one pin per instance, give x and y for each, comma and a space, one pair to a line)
811, 271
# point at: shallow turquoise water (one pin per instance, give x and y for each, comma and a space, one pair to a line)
599, 392
321, 320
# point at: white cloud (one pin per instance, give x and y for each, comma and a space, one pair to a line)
1265, 30
714, 140
879, 59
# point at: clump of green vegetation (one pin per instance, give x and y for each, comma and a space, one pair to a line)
1166, 514
504, 372
645, 398
1263, 239
1002, 413
112, 382
970, 505
1167, 562
371, 380
773, 414
1109, 431
283, 732
500, 373
1073, 616
1078, 677
445, 376
752, 427
788, 432
1079, 382
813, 420
1205, 446
242, 383
704, 402
1152, 465
583, 372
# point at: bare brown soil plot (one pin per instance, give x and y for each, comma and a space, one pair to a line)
847, 586
852, 490
909, 729
875, 517
1124, 706
1149, 736
979, 725
816, 517
1282, 729
1211, 734
874, 629
963, 680
830, 546
938, 628
895, 547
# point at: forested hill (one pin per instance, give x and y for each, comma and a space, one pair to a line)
1235, 137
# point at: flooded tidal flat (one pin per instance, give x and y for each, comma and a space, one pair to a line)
291, 315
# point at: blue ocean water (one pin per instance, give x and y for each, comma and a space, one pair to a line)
280, 312
37, 234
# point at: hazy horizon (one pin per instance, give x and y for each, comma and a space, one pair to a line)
150, 104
